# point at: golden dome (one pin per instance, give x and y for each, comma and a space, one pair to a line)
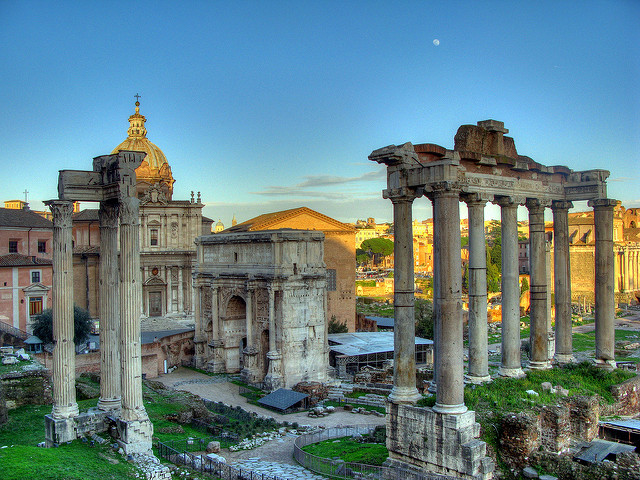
154, 168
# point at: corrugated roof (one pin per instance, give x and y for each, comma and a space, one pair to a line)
282, 399
362, 343
17, 260
631, 423
23, 218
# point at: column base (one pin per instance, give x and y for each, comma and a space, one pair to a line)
605, 364
404, 395
477, 379
539, 365
135, 435
450, 409
272, 382
67, 411
109, 405
511, 372
564, 358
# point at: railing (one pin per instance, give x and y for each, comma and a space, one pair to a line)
350, 470
16, 332
180, 453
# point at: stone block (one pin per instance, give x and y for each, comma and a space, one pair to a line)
59, 430
135, 436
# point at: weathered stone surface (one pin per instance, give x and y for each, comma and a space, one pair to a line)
213, 447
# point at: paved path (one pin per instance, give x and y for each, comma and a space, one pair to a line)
218, 389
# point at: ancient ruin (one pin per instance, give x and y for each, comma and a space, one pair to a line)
484, 166
112, 183
261, 306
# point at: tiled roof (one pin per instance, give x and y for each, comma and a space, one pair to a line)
17, 260
267, 220
23, 218
86, 215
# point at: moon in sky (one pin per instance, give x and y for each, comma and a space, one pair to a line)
436, 42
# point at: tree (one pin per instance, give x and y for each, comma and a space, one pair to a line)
524, 286
377, 248
424, 318
82, 323
337, 327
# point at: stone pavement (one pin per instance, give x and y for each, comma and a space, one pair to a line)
280, 470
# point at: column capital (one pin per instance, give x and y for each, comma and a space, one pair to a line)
129, 211
509, 201
561, 205
476, 199
401, 195
602, 203
62, 211
108, 214
536, 203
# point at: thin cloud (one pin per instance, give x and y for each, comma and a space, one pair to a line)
621, 179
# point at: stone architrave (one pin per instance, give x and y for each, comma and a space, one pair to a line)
109, 308
478, 349
562, 281
448, 312
404, 366
605, 280
64, 353
539, 335
511, 364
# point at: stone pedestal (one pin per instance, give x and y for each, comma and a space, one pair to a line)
273, 380
134, 436
419, 438
249, 374
58, 430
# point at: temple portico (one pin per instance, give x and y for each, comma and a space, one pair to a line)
112, 183
484, 166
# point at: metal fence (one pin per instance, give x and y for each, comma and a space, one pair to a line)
349, 470
180, 453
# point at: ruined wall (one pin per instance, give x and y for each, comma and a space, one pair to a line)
627, 396
26, 388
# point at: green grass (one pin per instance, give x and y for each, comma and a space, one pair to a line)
18, 367
350, 451
377, 307
371, 408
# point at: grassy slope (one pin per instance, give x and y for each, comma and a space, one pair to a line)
350, 451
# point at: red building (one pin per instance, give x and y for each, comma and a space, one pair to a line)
26, 271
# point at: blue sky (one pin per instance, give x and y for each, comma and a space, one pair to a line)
264, 106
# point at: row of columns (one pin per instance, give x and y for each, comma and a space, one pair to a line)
448, 325
120, 304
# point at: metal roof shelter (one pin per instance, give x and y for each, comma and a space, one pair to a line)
623, 431
352, 351
284, 400
600, 450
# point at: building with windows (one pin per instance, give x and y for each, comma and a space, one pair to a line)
339, 254
168, 229
25, 266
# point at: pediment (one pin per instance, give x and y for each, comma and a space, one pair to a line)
36, 288
154, 281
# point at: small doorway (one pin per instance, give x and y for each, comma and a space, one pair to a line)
155, 304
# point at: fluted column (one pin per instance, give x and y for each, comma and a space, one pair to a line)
562, 281
130, 299
404, 366
448, 311
510, 365
539, 334
478, 350
109, 288
64, 354
604, 282
273, 379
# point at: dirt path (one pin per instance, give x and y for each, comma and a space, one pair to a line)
218, 389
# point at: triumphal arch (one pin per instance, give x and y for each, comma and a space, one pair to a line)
483, 166
112, 183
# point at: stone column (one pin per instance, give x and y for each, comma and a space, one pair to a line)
510, 365
250, 351
539, 334
109, 288
478, 352
448, 314
130, 298
562, 281
273, 379
404, 366
169, 277
180, 291
64, 352
199, 337
604, 284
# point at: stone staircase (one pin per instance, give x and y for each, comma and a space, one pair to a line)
11, 335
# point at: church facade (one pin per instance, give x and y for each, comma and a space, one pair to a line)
168, 228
